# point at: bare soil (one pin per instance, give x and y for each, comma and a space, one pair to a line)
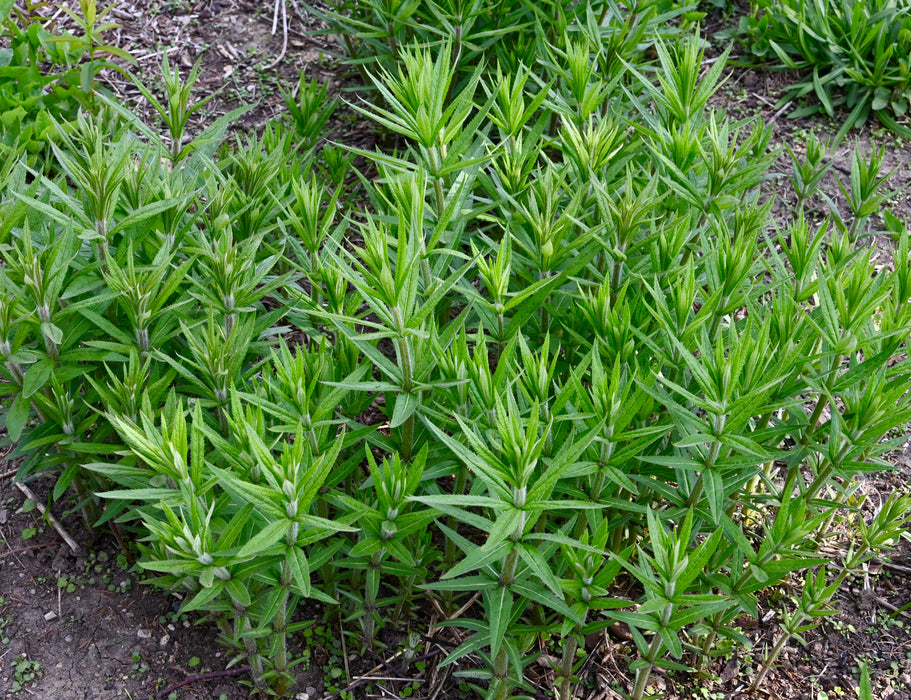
80, 626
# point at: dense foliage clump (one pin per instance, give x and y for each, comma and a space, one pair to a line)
562, 362
851, 55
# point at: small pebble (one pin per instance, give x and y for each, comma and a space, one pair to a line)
4, 515
144, 633
50, 615
68, 638
163, 642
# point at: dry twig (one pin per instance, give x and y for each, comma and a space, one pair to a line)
280, 5
199, 677
14, 552
50, 518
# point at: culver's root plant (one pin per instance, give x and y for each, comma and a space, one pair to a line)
564, 371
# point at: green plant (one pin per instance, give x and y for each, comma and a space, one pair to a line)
850, 54
375, 36
865, 689
176, 111
817, 592
139, 666
25, 670
310, 109
560, 373
45, 76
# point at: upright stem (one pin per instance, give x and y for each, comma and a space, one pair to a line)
352, 52
327, 572
508, 576
716, 321
769, 660
821, 401
280, 630
441, 199
406, 363
241, 627
545, 315
89, 507
710, 461
393, 45
793, 624
615, 281
501, 661
102, 249
643, 674
566, 665
457, 489
371, 585
501, 330
142, 340
501, 673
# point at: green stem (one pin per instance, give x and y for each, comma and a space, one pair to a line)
352, 52
393, 45
406, 363
501, 673
710, 461
716, 322
371, 584
769, 660
615, 281
280, 631
855, 225
458, 489
718, 619
89, 507
566, 666
643, 674
403, 603
102, 250
508, 576
441, 199
408, 438
142, 341
821, 402
241, 627
327, 571
824, 474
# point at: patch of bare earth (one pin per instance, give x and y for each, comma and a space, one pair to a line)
81, 623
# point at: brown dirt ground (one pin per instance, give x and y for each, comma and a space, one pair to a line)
95, 633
